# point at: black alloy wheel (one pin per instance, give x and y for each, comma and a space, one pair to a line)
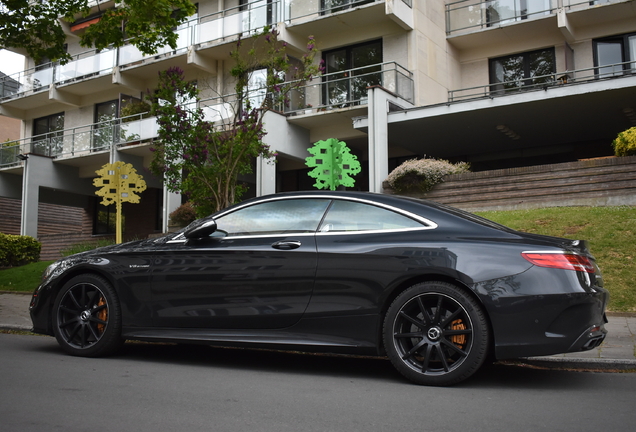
87, 318
436, 334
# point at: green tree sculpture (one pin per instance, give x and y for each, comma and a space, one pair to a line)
333, 164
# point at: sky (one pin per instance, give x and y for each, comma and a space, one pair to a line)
11, 63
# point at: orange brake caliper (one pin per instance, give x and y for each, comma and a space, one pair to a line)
102, 314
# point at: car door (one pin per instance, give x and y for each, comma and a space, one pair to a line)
256, 271
363, 248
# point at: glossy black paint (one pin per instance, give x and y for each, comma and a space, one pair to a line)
329, 291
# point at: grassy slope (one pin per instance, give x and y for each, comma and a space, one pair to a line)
611, 232
24, 278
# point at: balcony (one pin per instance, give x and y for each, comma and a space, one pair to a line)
468, 16
332, 17
207, 34
349, 88
471, 15
545, 82
345, 90
88, 140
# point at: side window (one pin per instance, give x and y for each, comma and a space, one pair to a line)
347, 216
274, 217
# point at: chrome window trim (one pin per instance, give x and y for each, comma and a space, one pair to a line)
427, 224
377, 231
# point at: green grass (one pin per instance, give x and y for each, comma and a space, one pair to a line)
23, 278
610, 231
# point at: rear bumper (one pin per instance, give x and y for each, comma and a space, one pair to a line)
545, 312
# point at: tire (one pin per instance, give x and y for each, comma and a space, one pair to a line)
436, 334
87, 317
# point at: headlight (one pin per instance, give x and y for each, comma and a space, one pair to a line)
50, 269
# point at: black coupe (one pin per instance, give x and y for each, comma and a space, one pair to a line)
436, 289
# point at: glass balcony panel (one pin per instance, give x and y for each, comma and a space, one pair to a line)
478, 14
101, 63
77, 143
137, 130
209, 31
129, 54
217, 110
468, 14
243, 20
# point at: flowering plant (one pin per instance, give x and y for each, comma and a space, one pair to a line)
422, 174
625, 143
203, 159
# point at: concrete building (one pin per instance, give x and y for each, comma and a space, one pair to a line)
499, 84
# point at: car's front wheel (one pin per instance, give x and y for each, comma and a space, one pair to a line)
436, 334
87, 317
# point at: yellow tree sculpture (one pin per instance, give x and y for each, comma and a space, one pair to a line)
119, 182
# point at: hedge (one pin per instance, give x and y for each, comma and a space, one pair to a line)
18, 250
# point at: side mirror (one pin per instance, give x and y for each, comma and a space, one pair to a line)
199, 229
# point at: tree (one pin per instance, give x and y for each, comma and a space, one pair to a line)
203, 159
35, 26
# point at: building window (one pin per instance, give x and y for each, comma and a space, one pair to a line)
615, 56
522, 71
257, 88
350, 71
106, 114
48, 135
105, 222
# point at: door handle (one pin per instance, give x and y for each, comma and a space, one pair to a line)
287, 244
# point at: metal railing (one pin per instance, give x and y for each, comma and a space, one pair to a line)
479, 14
337, 90
241, 20
83, 140
349, 88
296, 10
544, 82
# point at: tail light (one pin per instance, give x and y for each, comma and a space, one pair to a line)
560, 260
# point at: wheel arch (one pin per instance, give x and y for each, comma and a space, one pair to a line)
430, 277
54, 289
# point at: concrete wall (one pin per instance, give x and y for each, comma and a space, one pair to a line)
595, 182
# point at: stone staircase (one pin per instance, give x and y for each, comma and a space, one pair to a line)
593, 182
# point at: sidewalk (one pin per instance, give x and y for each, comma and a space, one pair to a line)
618, 351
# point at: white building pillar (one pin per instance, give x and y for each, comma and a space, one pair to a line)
38, 171
378, 138
265, 176
30, 198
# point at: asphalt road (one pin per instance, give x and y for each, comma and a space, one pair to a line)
198, 388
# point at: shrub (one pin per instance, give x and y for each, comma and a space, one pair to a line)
183, 215
18, 250
422, 174
138, 107
625, 143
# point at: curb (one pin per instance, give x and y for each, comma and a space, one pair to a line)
15, 327
577, 363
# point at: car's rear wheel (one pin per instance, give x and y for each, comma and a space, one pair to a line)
87, 317
436, 334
